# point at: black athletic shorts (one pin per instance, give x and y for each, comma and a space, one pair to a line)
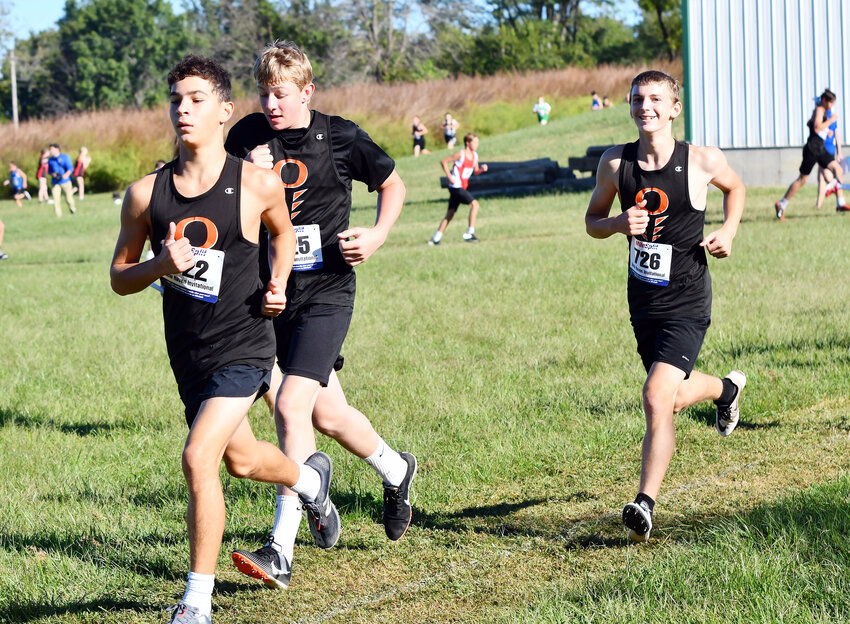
420, 141
309, 340
239, 380
673, 341
814, 153
458, 196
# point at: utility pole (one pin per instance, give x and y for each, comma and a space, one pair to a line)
14, 91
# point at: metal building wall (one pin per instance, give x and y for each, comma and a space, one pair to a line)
753, 67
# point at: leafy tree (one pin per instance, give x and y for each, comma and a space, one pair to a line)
666, 16
116, 53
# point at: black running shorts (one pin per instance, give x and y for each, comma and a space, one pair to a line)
309, 340
458, 196
814, 153
239, 380
673, 341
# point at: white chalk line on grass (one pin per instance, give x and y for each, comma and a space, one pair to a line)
432, 579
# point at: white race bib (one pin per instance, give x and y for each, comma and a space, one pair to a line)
203, 280
650, 262
308, 248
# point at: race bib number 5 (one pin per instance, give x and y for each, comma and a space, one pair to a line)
308, 248
203, 280
650, 262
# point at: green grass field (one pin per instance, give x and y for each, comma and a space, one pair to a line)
507, 367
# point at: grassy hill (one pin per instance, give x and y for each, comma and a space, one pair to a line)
507, 367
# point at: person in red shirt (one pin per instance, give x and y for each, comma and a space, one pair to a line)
464, 164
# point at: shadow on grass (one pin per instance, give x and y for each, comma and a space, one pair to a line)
42, 421
31, 611
705, 413
756, 549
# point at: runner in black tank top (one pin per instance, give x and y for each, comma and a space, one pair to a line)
317, 157
212, 312
675, 222
669, 288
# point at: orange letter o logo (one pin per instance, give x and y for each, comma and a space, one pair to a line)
302, 172
212, 230
663, 201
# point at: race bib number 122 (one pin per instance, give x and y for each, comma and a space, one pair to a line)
203, 280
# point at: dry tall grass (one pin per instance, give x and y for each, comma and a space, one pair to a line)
137, 137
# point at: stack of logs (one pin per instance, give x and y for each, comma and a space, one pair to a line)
534, 176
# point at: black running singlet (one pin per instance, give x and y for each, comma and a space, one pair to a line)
668, 273
212, 311
317, 165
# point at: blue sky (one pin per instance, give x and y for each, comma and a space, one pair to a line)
37, 15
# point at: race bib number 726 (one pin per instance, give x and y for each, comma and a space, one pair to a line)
650, 262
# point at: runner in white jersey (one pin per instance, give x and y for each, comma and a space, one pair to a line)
662, 186
464, 164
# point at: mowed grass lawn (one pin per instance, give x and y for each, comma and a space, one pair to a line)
507, 367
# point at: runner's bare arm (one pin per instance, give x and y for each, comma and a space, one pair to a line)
719, 242
271, 196
365, 241
127, 274
632, 222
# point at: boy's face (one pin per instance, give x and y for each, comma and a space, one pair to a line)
473, 144
652, 106
283, 104
53, 151
195, 109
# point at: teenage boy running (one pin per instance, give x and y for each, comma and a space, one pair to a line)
202, 213
662, 186
18, 181
317, 157
464, 164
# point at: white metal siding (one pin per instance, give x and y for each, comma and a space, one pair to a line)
755, 67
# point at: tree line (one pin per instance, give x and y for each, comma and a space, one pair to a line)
112, 53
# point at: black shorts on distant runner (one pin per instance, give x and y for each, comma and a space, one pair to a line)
238, 380
309, 340
458, 196
814, 153
673, 341
420, 141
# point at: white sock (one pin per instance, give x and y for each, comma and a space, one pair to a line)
287, 519
199, 590
308, 483
840, 200
437, 236
470, 231
783, 202
389, 465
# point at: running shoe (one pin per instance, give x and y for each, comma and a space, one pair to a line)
471, 238
844, 208
397, 509
831, 188
780, 211
322, 516
638, 520
27, 195
265, 564
184, 614
3, 256
727, 415
433, 242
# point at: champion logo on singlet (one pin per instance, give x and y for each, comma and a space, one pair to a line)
320, 136
229, 190
656, 215
293, 168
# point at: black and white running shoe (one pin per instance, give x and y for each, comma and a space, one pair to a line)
397, 509
322, 516
265, 564
727, 416
638, 520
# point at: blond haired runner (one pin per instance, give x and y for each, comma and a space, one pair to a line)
662, 186
317, 157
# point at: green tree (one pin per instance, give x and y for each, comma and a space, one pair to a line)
115, 53
666, 15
